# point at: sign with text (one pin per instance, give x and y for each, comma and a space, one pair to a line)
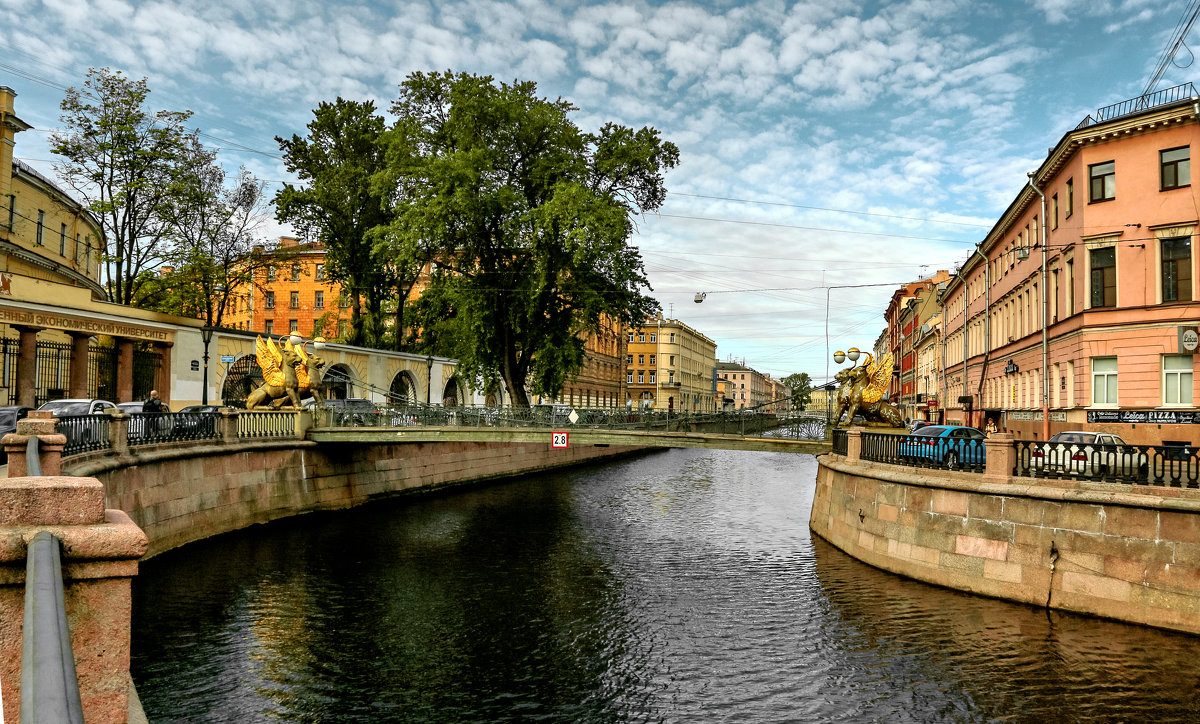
1161, 417
559, 439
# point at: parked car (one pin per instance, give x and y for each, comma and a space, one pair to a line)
355, 411
950, 445
196, 420
8, 423
1080, 452
138, 423
78, 406
85, 433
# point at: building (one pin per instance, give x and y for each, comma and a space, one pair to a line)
908, 312
927, 345
669, 367
1078, 309
751, 388
599, 382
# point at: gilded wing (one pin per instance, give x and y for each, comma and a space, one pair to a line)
302, 369
880, 372
269, 359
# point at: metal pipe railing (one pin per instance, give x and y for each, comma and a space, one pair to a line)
49, 688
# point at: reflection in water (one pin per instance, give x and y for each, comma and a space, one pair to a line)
677, 587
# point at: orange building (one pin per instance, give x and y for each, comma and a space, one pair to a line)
1079, 309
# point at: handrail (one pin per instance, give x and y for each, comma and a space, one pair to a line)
49, 688
33, 458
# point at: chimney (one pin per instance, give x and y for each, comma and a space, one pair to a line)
10, 126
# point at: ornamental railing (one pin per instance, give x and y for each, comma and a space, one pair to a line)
924, 451
146, 428
1164, 97
84, 433
1175, 466
266, 424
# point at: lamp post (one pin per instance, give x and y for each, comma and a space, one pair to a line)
429, 377
206, 333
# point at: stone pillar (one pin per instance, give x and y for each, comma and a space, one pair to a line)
162, 381
124, 370
39, 423
101, 549
229, 425
77, 385
118, 432
27, 366
1001, 456
854, 443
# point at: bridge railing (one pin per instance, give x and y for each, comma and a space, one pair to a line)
90, 433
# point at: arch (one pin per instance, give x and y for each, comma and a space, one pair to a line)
403, 390
451, 396
241, 378
339, 381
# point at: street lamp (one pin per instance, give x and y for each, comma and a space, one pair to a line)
429, 377
206, 333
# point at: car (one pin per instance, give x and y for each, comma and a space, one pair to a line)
9, 415
79, 406
350, 411
951, 445
81, 432
1088, 454
196, 421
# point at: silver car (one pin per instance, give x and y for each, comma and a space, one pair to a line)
1088, 454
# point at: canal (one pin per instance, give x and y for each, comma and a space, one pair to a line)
682, 586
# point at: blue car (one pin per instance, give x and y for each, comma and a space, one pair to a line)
951, 445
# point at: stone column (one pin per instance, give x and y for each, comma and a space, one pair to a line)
40, 424
162, 381
77, 385
101, 549
27, 366
854, 443
124, 370
229, 425
118, 432
1001, 456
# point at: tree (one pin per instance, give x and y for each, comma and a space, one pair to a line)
801, 386
339, 206
122, 160
216, 248
528, 219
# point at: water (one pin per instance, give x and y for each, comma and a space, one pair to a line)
678, 587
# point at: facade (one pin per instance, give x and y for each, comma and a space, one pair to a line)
928, 348
669, 367
600, 382
908, 313
1099, 245
750, 387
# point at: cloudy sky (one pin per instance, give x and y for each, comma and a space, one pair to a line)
823, 144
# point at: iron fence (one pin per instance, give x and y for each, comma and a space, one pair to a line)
9, 351
924, 451
155, 427
841, 442
84, 433
1176, 466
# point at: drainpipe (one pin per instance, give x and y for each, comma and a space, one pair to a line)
1045, 311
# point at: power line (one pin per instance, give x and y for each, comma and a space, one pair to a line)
809, 228
823, 208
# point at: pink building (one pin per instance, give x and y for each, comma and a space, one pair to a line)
1100, 245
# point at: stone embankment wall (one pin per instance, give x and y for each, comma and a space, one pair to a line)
1119, 551
183, 494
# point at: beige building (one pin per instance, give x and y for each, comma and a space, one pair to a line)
669, 366
750, 387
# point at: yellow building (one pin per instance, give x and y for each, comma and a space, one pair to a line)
669, 366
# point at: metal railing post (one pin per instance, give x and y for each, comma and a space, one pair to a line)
49, 688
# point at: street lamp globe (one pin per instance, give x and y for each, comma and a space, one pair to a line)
853, 354
839, 356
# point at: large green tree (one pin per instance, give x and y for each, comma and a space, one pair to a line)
123, 160
528, 218
801, 386
337, 205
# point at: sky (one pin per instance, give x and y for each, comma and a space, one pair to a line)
823, 145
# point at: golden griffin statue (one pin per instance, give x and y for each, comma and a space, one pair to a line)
290, 372
861, 393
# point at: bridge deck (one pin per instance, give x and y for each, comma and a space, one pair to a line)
578, 436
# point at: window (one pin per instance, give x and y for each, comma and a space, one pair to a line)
631, 336
1054, 211
641, 359
270, 273
642, 337
295, 272
672, 362
628, 359
1177, 379
653, 336
12, 210
653, 359
1070, 198
269, 328
1177, 269
62, 241
293, 325
41, 226
342, 327
319, 300
1104, 276
1175, 168
320, 272
641, 376
629, 377
344, 300
1102, 181
672, 338
653, 377
1104, 381
78, 246
294, 300
270, 300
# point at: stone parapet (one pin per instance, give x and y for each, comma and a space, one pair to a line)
100, 553
1125, 552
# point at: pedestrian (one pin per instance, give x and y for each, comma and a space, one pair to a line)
153, 404
991, 427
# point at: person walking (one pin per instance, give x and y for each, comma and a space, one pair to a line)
991, 427
153, 404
